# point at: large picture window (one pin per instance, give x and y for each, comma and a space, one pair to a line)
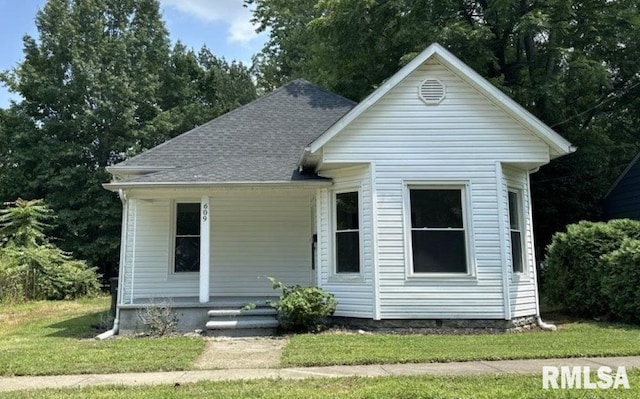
438, 238
347, 233
187, 238
515, 226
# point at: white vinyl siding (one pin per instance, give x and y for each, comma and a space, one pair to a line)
459, 139
259, 234
255, 234
522, 288
353, 292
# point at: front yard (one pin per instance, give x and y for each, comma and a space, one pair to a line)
52, 338
573, 339
49, 338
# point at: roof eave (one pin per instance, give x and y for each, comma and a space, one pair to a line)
115, 186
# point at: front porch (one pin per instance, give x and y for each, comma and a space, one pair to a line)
240, 239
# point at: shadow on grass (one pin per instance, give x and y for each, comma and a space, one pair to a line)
86, 326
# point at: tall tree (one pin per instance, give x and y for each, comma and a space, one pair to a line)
89, 83
98, 84
574, 64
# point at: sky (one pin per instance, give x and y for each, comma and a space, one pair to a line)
223, 25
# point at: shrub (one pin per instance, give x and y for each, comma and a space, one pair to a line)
575, 268
303, 308
33, 268
621, 285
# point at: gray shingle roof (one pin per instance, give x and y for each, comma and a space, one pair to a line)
260, 141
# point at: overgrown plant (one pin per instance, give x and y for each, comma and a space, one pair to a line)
158, 319
303, 308
30, 266
590, 270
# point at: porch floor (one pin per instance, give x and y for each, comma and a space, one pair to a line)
193, 301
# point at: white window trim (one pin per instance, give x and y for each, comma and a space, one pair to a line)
334, 275
524, 275
172, 239
465, 188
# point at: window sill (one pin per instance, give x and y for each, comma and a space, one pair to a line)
182, 275
439, 277
520, 278
345, 278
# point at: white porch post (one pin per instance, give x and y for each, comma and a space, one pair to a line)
205, 242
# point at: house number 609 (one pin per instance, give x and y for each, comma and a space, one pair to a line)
205, 212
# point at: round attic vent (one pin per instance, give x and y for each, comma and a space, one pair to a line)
431, 91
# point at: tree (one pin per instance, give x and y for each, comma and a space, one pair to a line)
30, 266
89, 83
99, 84
574, 64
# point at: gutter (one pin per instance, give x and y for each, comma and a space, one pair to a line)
115, 186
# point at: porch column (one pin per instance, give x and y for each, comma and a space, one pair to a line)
205, 242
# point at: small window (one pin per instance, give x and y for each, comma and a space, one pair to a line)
438, 238
187, 238
347, 235
515, 226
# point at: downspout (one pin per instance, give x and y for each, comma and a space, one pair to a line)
541, 324
115, 329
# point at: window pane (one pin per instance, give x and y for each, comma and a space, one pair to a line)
348, 252
516, 252
187, 254
513, 210
436, 208
347, 211
439, 251
188, 220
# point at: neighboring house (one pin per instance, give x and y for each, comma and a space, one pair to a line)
623, 199
418, 198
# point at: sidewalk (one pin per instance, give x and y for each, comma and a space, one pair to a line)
377, 370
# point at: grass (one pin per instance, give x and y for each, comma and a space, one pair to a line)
50, 338
573, 339
479, 387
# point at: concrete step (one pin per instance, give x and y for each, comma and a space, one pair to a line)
260, 311
243, 323
243, 332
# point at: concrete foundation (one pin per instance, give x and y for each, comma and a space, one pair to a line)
189, 319
437, 326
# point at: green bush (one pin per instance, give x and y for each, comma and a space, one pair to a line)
303, 308
622, 284
33, 268
575, 267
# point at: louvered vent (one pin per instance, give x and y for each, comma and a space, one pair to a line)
431, 91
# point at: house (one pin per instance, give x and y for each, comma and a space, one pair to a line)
412, 207
623, 198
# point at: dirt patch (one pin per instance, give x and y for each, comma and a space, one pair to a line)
241, 353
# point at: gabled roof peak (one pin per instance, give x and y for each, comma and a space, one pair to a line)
558, 145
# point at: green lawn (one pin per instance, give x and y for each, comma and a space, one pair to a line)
478, 387
48, 338
573, 339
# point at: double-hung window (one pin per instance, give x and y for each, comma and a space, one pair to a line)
187, 237
347, 232
515, 227
438, 237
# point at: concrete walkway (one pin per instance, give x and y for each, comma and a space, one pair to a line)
380, 370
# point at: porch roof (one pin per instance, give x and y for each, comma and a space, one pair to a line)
259, 142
